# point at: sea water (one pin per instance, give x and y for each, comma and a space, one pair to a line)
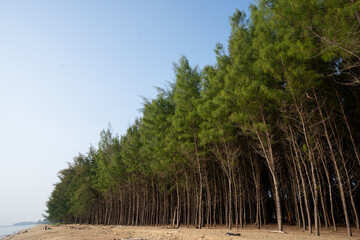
8, 230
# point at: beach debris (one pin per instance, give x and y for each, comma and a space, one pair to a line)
78, 228
233, 234
134, 238
173, 232
276, 231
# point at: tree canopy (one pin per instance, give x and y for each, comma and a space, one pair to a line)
265, 135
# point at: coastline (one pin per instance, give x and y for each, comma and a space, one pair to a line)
95, 232
6, 231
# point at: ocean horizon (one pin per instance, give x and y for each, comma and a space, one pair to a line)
13, 229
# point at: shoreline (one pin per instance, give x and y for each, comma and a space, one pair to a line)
118, 232
14, 230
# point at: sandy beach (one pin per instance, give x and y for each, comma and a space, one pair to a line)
92, 232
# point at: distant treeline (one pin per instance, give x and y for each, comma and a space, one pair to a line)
270, 133
45, 221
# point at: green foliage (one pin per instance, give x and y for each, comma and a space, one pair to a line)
239, 109
186, 119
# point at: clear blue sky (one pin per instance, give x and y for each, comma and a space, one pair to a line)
68, 68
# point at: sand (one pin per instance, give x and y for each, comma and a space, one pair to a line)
92, 232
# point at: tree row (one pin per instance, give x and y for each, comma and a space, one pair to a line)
268, 134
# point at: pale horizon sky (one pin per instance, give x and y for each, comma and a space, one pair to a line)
69, 68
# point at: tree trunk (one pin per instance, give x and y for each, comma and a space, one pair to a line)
200, 179
336, 168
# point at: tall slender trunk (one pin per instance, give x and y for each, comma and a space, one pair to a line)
187, 200
208, 198
348, 181
278, 204
303, 183
256, 175
311, 159
200, 178
230, 202
329, 184
236, 202
269, 156
322, 194
178, 207
294, 150
336, 168
316, 200
355, 148
215, 204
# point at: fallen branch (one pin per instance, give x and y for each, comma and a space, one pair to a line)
275, 231
134, 238
233, 234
